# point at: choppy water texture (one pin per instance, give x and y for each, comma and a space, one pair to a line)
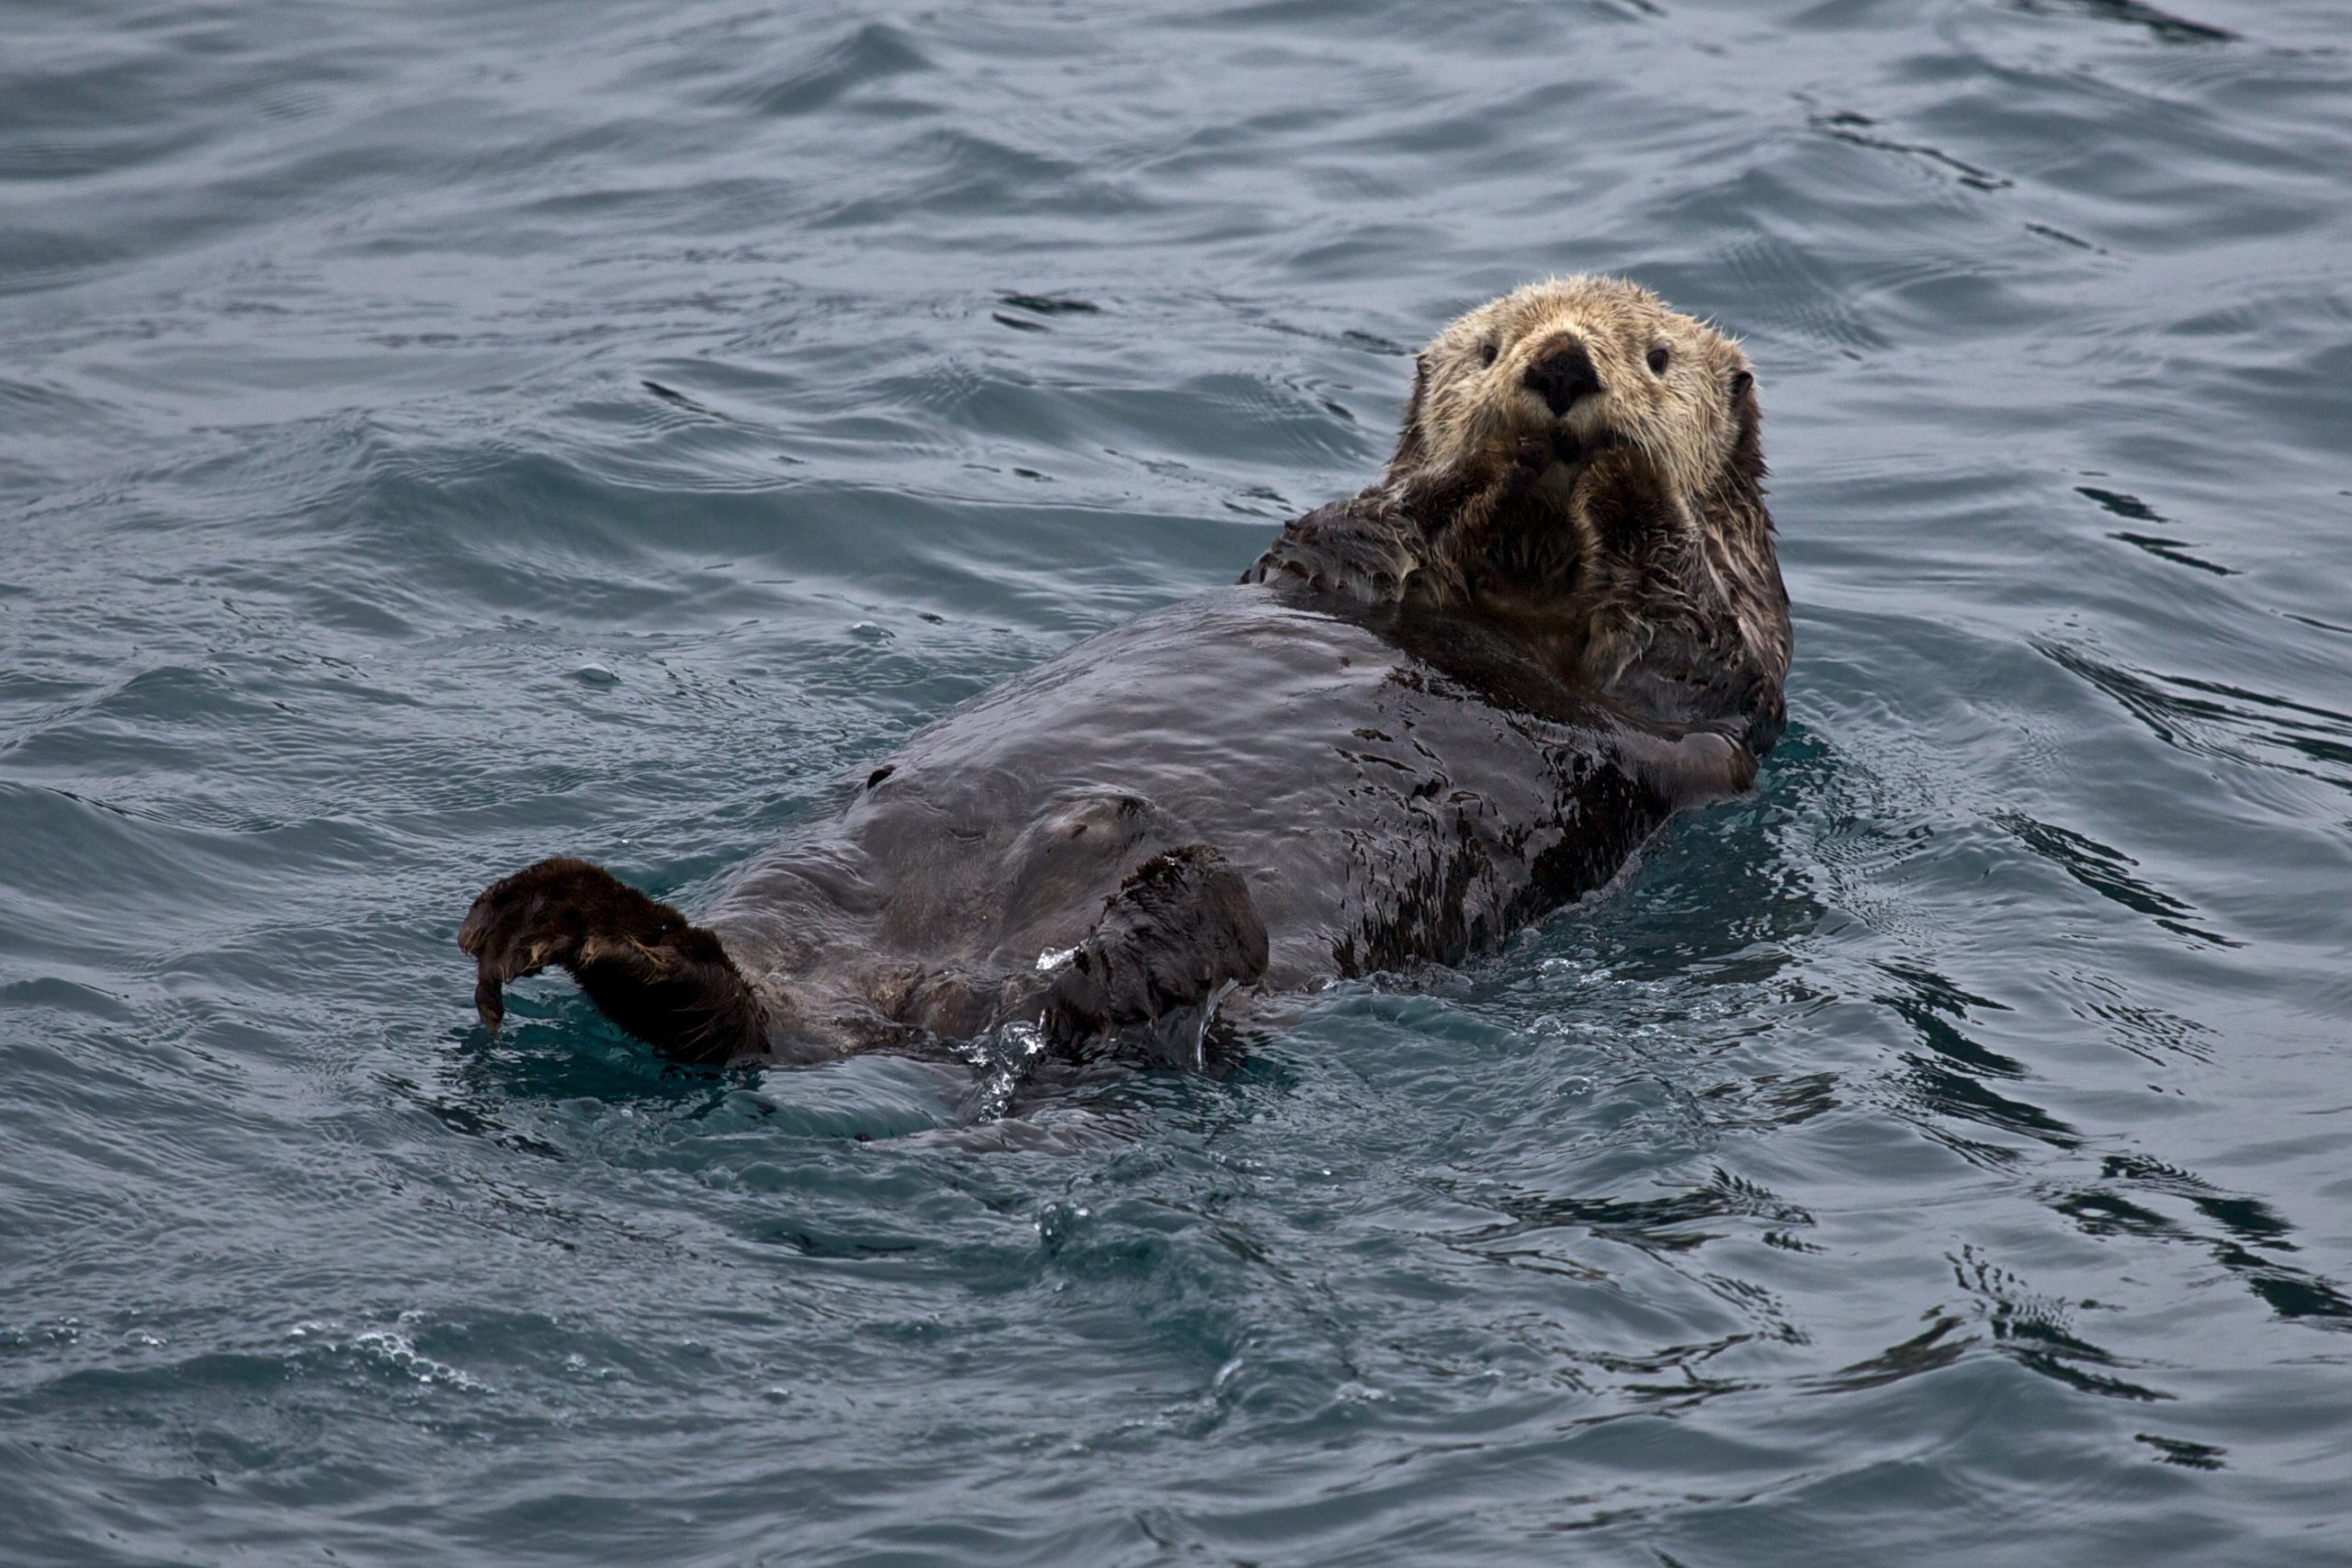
437, 436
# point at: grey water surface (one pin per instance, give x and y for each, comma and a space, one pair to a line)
437, 436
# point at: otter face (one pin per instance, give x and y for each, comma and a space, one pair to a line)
1569, 368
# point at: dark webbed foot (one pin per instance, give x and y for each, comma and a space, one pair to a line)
1179, 934
651, 970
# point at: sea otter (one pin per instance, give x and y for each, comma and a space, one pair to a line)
1428, 715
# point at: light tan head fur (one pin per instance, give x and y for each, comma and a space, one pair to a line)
1587, 462
1671, 385
1580, 468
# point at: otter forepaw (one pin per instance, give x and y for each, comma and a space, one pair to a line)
1531, 455
1703, 765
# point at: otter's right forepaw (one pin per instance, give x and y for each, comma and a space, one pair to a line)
1529, 456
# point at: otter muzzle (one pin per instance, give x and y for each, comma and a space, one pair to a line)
1561, 376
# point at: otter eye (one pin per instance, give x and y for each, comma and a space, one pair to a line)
1487, 352
1659, 357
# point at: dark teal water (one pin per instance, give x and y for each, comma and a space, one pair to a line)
437, 436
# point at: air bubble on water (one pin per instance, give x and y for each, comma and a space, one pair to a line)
1004, 1054
56, 1331
388, 1347
595, 675
1055, 1221
1054, 958
870, 631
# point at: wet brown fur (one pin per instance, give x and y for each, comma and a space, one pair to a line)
1429, 714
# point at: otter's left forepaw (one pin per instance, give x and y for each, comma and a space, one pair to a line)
1691, 769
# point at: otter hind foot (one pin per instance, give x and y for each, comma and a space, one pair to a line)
645, 966
1180, 933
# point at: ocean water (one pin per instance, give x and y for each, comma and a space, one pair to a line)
437, 435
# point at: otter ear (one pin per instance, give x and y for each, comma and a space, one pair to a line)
1746, 448
1409, 446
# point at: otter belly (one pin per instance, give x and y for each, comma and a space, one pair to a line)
1236, 759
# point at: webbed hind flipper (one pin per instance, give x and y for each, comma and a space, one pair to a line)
1180, 933
645, 966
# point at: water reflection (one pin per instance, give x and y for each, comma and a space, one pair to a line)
2246, 1223
2040, 1333
2109, 873
2156, 545
2219, 719
2160, 24
1946, 1082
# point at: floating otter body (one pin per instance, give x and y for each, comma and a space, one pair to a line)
1427, 716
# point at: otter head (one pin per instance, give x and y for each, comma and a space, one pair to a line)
1577, 452
1561, 371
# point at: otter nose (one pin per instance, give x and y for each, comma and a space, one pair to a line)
1561, 375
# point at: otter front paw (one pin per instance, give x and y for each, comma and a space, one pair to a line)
1703, 765
1529, 456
